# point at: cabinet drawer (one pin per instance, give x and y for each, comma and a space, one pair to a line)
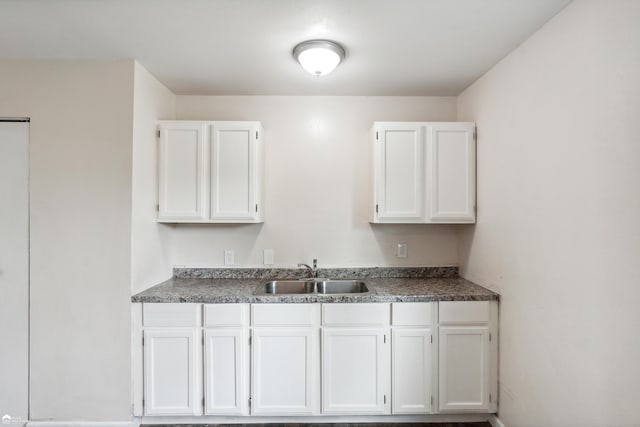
464, 312
226, 314
284, 314
171, 314
355, 314
412, 313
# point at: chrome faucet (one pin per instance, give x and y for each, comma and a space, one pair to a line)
313, 271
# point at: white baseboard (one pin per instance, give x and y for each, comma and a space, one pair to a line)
321, 419
83, 424
442, 418
495, 421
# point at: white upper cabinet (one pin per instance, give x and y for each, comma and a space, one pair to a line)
451, 165
400, 183
182, 171
423, 172
234, 172
210, 172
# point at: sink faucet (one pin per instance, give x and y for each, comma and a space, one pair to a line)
313, 271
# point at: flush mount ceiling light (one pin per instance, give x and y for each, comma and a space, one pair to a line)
319, 57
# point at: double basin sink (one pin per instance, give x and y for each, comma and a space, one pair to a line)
312, 286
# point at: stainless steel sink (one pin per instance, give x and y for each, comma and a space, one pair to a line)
341, 287
279, 287
312, 286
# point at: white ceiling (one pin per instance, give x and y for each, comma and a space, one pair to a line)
237, 47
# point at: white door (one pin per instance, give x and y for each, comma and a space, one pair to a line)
355, 371
14, 269
172, 374
399, 170
233, 171
412, 370
283, 371
452, 177
399, 173
182, 172
225, 371
464, 368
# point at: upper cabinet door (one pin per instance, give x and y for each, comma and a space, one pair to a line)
182, 171
451, 165
423, 172
210, 172
399, 173
234, 165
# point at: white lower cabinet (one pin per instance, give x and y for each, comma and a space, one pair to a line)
284, 354
355, 371
226, 359
413, 358
355, 359
362, 358
172, 360
468, 359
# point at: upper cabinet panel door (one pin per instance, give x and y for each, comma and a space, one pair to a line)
182, 171
399, 173
451, 164
233, 171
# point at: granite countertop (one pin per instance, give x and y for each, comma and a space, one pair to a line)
214, 286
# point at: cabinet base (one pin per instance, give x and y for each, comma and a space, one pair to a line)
378, 419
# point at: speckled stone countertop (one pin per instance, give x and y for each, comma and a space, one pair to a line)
215, 286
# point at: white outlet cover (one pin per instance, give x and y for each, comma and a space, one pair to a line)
229, 257
267, 257
401, 250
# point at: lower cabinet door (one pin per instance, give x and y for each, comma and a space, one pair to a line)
172, 374
284, 371
464, 368
226, 371
355, 371
412, 371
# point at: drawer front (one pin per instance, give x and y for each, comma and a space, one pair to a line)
284, 314
412, 313
453, 312
171, 314
356, 314
226, 314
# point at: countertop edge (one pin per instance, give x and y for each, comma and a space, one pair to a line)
293, 299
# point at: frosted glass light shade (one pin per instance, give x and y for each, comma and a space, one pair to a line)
319, 57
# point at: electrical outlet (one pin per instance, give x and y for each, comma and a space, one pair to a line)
401, 250
267, 257
229, 257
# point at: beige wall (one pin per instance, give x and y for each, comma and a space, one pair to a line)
80, 184
558, 207
150, 243
317, 184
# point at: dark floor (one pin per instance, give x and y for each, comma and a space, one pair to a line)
481, 424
